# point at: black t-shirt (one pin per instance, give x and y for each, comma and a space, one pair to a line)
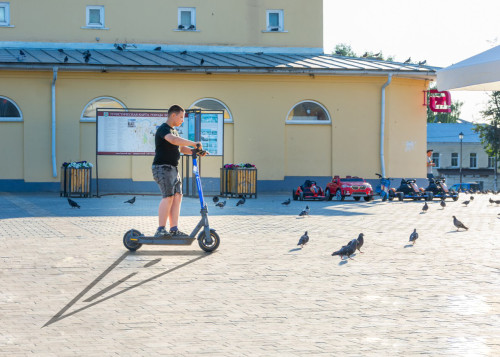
166, 153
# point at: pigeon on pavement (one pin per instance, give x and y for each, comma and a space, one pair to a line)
131, 201
305, 212
459, 224
347, 250
286, 203
466, 203
414, 236
303, 240
472, 198
426, 207
72, 203
221, 204
215, 199
442, 204
361, 241
241, 201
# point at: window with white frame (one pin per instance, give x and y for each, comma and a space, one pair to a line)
213, 104
89, 112
9, 111
308, 112
473, 160
274, 20
95, 16
491, 162
454, 159
435, 159
186, 18
4, 14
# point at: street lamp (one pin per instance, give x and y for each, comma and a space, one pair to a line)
461, 137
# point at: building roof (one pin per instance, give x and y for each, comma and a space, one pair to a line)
142, 58
448, 133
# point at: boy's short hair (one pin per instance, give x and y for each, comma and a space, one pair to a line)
428, 151
175, 109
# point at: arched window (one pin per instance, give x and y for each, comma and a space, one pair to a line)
213, 104
308, 112
89, 112
9, 111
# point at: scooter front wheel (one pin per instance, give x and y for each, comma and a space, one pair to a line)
209, 247
128, 243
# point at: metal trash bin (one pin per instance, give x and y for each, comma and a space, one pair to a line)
76, 182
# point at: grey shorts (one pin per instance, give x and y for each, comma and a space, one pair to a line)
168, 179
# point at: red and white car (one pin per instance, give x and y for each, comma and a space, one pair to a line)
350, 186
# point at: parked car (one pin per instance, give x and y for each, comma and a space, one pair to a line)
349, 186
474, 186
308, 191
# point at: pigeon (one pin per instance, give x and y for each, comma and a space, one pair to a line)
472, 198
442, 204
221, 204
215, 199
426, 207
303, 240
414, 236
191, 27
73, 204
491, 201
131, 201
158, 48
202, 61
184, 52
305, 212
365, 55
241, 201
408, 60
421, 63
180, 27
360, 240
21, 53
466, 203
259, 53
61, 50
459, 224
347, 250
497, 202
86, 56
119, 48
66, 59
286, 203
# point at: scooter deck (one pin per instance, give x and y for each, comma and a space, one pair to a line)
163, 241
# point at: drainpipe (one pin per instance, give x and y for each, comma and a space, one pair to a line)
54, 166
382, 125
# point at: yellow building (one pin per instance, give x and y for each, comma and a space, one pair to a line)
290, 109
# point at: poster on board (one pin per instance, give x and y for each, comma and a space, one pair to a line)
211, 132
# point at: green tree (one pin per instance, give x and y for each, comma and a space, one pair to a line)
343, 49
490, 133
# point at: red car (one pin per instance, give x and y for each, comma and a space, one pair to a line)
350, 186
308, 191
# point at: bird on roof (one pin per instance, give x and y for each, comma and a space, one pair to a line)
72, 203
158, 48
304, 212
60, 50
459, 224
241, 201
414, 236
377, 54
365, 55
259, 53
87, 58
425, 207
21, 53
202, 61
286, 203
303, 240
65, 59
119, 48
131, 201
421, 63
184, 52
408, 60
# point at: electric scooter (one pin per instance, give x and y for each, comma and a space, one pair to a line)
208, 239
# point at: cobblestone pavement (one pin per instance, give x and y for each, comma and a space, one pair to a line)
70, 288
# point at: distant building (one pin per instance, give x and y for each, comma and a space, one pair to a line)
477, 166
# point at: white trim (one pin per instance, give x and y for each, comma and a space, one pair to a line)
281, 25
6, 6
192, 10
101, 17
9, 119
265, 31
86, 120
164, 47
230, 120
313, 122
94, 28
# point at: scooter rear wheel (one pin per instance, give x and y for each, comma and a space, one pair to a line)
131, 245
203, 242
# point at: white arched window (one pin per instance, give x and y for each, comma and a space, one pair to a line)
9, 111
89, 112
308, 112
213, 104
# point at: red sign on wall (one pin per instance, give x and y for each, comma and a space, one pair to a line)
439, 102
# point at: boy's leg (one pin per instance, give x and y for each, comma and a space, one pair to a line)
175, 210
164, 210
